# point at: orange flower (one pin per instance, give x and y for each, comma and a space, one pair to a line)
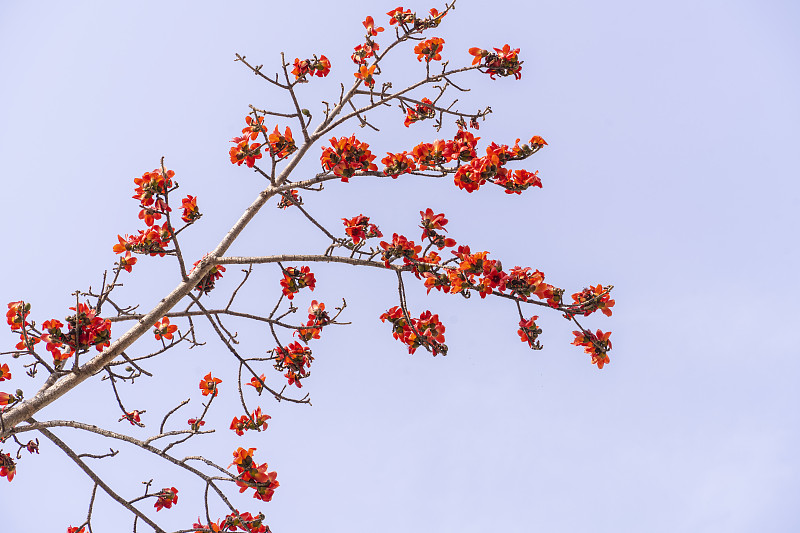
430, 49
372, 31
7, 399
190, 210
479, 54
4, 372
7, 466
365, 74
166, 498
208, 385
164, 329
126, 263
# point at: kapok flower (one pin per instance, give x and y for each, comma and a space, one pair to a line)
166, 498
281, 145
208, 385
164, 329
254, 127
190, 210
7, 399
7, 466
256, 384
430, 49
126, 263
372, 31
244, 152
4, 372
366, 74
359, 228
295, 279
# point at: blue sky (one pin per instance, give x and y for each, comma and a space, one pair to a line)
670, 173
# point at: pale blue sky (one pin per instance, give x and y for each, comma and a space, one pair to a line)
670, 173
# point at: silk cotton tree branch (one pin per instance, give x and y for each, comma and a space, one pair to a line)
176, 320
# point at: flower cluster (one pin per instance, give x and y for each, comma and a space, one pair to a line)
316, 67
396, 164
595, 344
430, 49
399, 247
257, 421
295, 279
254, 476
207, 284
317, 319
281, 145
590, 300
234, 522
295, 359
152, 191
84, 326
245, 151
419, 112
409, 21
7, 466
359, 228
503, 62
347, 156
528, 332
425, 331
290, 198
166, 498
190, 210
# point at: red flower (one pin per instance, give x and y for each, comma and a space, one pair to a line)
164, 329
347, 156
76, 530
528, 332
430, 49
595, 344
366, 74
295, 279
17, 313
290, 198
295, 359
256, 384
206, 284
126, 263
254, 127
281, 145
399, 16
479, 54
166, 498
396, 164
372, 31
244, 152
4, 372
7, 399
132, 417
208, 385
358, 229
190, 210
420, 111
195, 423
7, 466
400, 247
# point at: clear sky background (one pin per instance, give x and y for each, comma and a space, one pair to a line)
670, 173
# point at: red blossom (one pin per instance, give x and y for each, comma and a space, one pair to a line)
208, 385
166, 498
295, 279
